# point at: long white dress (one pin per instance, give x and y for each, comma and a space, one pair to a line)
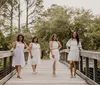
74, 50
55, 51
18, 58
36, 54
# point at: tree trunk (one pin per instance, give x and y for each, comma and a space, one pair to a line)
19, 30
27, 15
11, 29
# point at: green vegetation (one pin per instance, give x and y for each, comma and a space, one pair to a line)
56, 19
63, 20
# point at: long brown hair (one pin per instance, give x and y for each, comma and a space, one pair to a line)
19, 37
77, 37
52, 38
34, 39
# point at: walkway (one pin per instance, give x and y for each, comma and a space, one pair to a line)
44, 76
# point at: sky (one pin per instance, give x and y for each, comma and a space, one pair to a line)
94, 5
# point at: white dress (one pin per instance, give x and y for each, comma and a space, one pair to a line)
74, 50
36, 54
18, 58
55, 51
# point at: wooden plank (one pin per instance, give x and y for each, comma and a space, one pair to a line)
4, 54
91, 54
81, 64
87, 67
95, 70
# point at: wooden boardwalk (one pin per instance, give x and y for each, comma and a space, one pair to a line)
44, 76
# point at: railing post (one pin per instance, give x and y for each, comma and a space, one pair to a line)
95, 70
10, 63
5, 66
81, 64
66, 56
87, 67
63, 56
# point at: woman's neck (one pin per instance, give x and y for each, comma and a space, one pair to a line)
74, 38
20, 41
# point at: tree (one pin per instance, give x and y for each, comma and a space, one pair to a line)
54, 20
6, 13
19, 14
2, 3
33, 9
63, 20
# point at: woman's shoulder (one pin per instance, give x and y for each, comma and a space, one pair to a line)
70, 40
31, 43
15, 42
50, 42
38, 44
58, 42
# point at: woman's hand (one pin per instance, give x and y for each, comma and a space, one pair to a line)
53, 56
12, 53
30, 50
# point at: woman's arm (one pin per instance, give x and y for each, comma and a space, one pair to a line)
40, 53
13, 47
68, 44
30, 49
60, 46
26, 46
80, 46
50, 46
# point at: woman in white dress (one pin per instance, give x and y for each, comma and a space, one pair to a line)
35, 53
18, 54
74, 45
54, 46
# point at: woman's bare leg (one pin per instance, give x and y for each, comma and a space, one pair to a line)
19, 70
16, 68
74, 68
54, 68
71, 68
33, 67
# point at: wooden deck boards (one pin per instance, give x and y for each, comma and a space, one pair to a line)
44, 76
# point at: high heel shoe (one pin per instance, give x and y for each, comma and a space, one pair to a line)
19, 77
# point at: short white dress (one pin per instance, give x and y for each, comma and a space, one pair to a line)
36, 54
55, 50
74, 50
18, 58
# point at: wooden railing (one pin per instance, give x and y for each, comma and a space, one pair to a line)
6, 69
88, 66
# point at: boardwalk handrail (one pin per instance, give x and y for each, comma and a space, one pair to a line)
88, 65
6, 69
4, 54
